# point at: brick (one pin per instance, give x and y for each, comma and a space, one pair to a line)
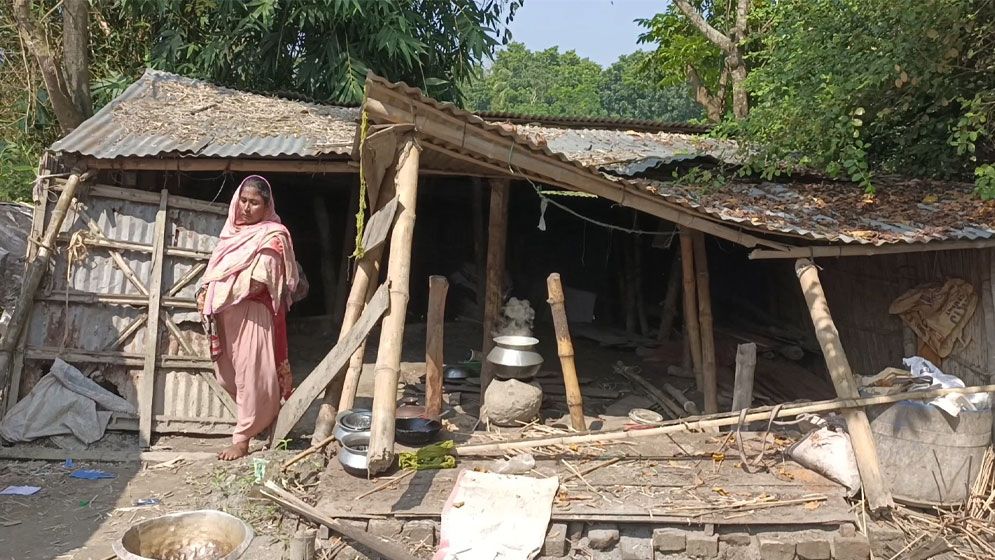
354, 523
386, 527
419, 532
556, 543
637, 545
602, 537
848, 530
776, 549
885, 541
736, 539
851, 548
669, 540
700, 545
814, 549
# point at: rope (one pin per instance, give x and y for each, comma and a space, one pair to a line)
546, 200
75, 252
364, 128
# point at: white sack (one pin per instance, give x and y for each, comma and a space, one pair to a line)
830, 454
951, 404
63, 402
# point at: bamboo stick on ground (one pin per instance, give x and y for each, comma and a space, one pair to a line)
565, 349
712, 421
380, 454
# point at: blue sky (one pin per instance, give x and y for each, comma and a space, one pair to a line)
597, 29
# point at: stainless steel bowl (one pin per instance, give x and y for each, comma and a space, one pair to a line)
353, 453
353, 421
189, 534
514, 357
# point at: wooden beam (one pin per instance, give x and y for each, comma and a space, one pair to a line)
565, 349
875, 489
703, 283
137, 247
147, 197
692, 328
134, 359
385, 104
746, 366
328, 368
497, 241
380, 454
438, 286
24, 453
33, 275
146, 388
221, 164
117, 299
861, 250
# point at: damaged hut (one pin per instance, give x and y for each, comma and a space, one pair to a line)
667, 276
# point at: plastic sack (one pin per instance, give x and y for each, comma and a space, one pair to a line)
951, 404
830, 454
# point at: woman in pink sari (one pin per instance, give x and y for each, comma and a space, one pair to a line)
245, 294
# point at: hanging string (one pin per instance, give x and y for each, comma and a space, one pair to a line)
544, 199
364, 126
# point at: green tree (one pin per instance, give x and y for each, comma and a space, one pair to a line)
323, 48
865, 87
631, 88
544, 82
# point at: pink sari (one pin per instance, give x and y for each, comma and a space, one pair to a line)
248, 285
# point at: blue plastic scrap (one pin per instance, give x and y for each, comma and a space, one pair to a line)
91, 474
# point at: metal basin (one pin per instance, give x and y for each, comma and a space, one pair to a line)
354, 421
514, 357
189, 535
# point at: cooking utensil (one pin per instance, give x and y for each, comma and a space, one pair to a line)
416, 431
353, 453
409, 408
188, 534
454, 373
353, 421
514, 357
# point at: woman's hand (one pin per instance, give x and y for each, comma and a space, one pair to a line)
201, 298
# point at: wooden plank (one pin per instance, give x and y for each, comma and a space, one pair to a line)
703, 283
380, 225
330, 366
380, 454
497, 240
218, 390
746, 365
71, 355
138, 247
117, 299
146, 197
875, 489
384, 104
438, 287
692, 328
147, 386
220, 164
23, 453
859, 250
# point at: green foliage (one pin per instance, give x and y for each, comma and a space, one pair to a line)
631, 87
679, 44
552, 83
865, 87
323, 48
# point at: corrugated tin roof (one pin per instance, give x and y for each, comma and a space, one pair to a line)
613, 123
165, 114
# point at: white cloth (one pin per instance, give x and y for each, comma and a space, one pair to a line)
951, 404
496, 517
63, 402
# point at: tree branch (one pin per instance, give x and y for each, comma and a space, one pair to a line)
712, 34
714, 104
742, 17
65, 110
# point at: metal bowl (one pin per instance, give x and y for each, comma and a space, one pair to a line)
201, 535
354, 421
353, 453
454, 373
416, 431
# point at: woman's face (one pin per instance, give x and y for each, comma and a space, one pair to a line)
251, 207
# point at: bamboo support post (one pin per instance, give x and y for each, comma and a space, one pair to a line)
692, 329
438, 286
34, 273
565, 348
497, 239
710, 421
341, 392
877, 493
746, 365
708, 371
668, 313
380, 454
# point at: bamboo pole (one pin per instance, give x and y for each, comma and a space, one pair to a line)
380, 454
708, 373
861, 438
345, 262
669, 311
438, 286
565, 349
692, 330
497, 239
34, 273
711, 421
746, 365
341, 392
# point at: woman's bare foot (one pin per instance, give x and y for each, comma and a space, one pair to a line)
234, 451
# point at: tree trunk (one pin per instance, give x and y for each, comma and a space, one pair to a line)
76, 54
713, 104
63, 106
740, 98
